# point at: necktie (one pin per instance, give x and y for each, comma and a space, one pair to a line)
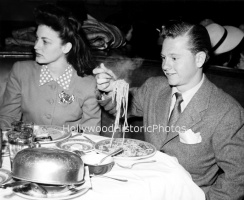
176, 110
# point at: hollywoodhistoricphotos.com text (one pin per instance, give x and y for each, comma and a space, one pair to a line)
131, 129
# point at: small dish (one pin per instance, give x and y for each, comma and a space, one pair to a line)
76, 144
57, 133
5, 176
92, 160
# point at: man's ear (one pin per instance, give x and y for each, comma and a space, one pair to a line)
66, 48
200, 58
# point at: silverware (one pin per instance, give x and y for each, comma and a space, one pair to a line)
34, 186
76, 191
89, 139
78, 134
135, 163
14, 184
111, 154
103, 176
79, 153
72, 188
37, 187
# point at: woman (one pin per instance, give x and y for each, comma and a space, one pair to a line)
57, 88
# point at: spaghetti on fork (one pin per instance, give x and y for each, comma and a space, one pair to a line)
120, 94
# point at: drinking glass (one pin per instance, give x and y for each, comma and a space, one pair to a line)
27, 126
18, 141
16, 125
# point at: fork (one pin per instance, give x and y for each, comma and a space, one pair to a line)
103, 176
93, 142
135, 163
72, 188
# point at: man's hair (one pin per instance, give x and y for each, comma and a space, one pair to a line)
199, 39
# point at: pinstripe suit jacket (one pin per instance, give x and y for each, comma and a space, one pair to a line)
217, 163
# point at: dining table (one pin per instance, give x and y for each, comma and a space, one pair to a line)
164, 179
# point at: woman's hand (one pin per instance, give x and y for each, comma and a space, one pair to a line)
105, 78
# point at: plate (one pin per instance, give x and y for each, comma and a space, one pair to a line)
5, 176
133, 149
57, 133
54, 192
76, 144
65, 193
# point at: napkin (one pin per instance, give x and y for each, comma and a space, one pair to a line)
189, 137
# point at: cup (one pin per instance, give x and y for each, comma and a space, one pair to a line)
18, 141
20, 126
16, 125
27, 126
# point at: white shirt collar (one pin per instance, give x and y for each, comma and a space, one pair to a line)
187, 96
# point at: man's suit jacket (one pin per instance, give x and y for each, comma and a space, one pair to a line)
217, 163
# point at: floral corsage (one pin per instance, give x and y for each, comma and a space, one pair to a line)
66, 98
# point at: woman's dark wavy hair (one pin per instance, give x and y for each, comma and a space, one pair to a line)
199, 39
69, 30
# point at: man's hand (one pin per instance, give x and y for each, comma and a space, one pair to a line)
105, 78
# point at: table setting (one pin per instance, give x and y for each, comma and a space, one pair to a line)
70, 165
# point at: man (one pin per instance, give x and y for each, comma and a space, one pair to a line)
207, 132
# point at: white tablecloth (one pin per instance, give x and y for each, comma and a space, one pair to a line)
165, 179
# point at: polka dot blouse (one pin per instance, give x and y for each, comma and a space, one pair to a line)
63, 80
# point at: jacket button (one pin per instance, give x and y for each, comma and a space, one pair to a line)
48, 116
51, 101
53, 87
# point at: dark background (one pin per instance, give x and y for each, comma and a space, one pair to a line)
228, 11
146, 15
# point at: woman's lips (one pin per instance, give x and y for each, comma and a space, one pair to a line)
38, 55
169, 74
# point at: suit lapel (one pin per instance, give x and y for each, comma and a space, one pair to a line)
192, 113
162, 107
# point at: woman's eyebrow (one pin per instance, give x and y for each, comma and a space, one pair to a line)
46, 38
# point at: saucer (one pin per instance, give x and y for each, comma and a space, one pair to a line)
5, 176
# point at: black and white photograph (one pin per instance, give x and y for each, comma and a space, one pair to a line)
121, 99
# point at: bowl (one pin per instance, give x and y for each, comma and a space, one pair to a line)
48, 166
92, 160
